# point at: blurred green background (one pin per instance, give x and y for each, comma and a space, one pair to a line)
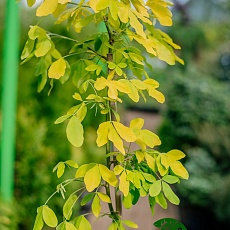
195, 119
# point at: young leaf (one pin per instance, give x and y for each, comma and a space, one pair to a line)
38, 221
169, 194
68, 206
96, 206
155, 188
49, 216
92, 178
74, 132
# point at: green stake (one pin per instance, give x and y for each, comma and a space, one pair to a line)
9, 99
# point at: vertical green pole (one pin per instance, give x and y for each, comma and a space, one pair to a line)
9, 98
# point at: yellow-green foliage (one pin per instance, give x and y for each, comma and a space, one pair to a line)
112, 67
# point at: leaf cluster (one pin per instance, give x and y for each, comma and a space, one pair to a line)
108, 64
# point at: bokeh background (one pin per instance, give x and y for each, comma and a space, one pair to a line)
195, 119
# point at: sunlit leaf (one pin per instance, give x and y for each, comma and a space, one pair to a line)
104, 197
169, 194
96, 206
170, 179
160, 199
49, 216
60, 169
179, 170
108, 175
124, 132
175, 155
155, 188
57, 69
43, 47
74, 132
47, 7
92, 178
127, 201
72, 163
115, 138
102, 134
124, 184
83, 169
70, 226
84, 224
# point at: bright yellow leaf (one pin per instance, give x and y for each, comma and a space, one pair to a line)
179, 170
175, 155
136, 24
104, 197
151, 162
92, 178
102, 133
47, 7
124, 184
63, 1
96, 206
115, 138
149, 138
100, 83
83, 169
124, 132
137, 124
108, 175
57, 69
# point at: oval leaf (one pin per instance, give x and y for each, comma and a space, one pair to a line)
74, 132
57, 69
92, 178
49, 217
